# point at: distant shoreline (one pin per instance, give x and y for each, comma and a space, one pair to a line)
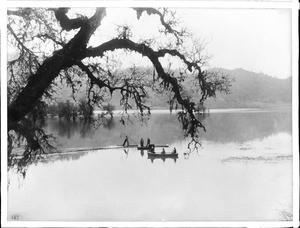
212, 110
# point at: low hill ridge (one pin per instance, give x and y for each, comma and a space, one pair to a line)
249, 90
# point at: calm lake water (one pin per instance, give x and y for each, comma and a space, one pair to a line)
243, 171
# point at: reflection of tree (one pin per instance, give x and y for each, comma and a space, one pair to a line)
61, 157
108, 123
70, 156
86, 129
50, 158
64, 128
69, 129
202, 116
52, 46
165, 129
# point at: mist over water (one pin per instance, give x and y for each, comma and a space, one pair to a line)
242, 171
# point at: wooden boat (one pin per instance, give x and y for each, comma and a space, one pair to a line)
150, 147
162, 155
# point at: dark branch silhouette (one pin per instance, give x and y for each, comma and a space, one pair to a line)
49, 45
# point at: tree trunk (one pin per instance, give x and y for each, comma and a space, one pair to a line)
39, 82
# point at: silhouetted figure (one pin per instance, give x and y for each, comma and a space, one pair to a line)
142, 142
174, 151
151, 149
148, 142
125, 32
163, 151
126, 142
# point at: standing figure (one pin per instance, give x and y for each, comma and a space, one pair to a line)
174, 151
148, 142
142, 142
126, 142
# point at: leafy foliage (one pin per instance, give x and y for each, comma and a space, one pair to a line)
53, 46
109, 108
85, 110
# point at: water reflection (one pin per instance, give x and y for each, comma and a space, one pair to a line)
72, 156
108, 123
68, 129
163, 158
242, 127
142, 153
243, 171
51, 158
165, 129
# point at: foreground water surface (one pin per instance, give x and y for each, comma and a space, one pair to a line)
242, 171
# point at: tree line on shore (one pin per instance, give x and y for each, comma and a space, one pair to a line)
70, 111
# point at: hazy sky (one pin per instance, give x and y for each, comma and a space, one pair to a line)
254, 39
258, 40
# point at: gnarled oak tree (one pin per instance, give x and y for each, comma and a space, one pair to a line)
54, 45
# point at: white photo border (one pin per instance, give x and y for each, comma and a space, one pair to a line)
293, 5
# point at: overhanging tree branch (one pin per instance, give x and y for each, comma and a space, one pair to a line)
168, 25
94, 79
36, 81
21, 44
153, 57
49, 70
127, 90
69, 24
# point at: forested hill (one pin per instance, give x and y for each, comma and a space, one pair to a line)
254, 90
249, 90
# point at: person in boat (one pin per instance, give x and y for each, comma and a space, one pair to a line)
142, 142
163, 151
151, 149
174, 151
126, 142
148, 142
